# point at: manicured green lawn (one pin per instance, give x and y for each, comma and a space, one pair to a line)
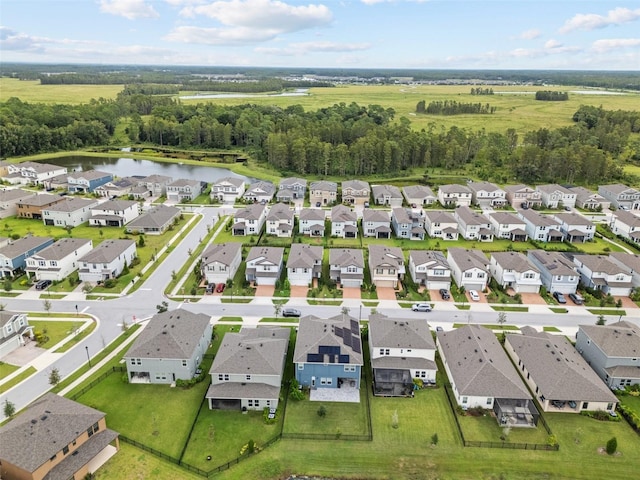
606, 311
486, 429
56, 330
631, 402
558, 310
550, 329
6, 369
77, 338
230, 319
509, 309
17, 379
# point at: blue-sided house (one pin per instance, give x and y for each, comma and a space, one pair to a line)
13, 256
87, 182
328, 352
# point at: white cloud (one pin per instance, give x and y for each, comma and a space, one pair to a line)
608, 44
373, 2
552, 43
592, 21
530, 34
129, 9
304, 48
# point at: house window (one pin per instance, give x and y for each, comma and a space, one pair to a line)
379, 271
382, 351
133, 361
250, 403
184, 363
609, 406
489, 401
90, 431
248, 378
468, 274
223, 377
54, 457
349, 368
465, 399
54, 263
301, 366
138, 362
585, 405
65, 449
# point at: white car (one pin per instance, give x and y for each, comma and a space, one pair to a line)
474, 295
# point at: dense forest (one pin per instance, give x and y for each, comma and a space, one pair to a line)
345, 140
551, 96
451, 107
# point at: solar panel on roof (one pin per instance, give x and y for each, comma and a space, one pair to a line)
356, 346
347, 338
338, 331
314, 358
343, 359
355, 328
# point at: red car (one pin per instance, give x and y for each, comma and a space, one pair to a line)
220, 288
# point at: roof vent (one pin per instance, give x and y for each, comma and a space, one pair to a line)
34, 421
43, 417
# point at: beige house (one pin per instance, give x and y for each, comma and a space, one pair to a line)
323, 193
355, 192
386, 265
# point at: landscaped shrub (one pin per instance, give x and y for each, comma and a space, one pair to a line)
434, 439
476, 411
109, 283
552, 440
295, 391
600, 415
265, 416
612, 446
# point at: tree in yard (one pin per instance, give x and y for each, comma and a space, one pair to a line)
47, 306
9, 409
68, 228
345, 310
434, 439
174, 275
502, 318
54, 377
141, 241
277, 308
86, 287
612, 446
163, 307
601, 320
8, 285
322, 411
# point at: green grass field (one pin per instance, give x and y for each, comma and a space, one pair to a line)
56, 330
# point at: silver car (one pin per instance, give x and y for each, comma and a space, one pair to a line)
421, 307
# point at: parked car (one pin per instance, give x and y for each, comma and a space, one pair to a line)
42, 284
474, 295
290, 312
524, 206
439, 329
576, 298
444, 293
366, 204
567, 209
210, 288
421, 307
220, 287
318, 204
559, 297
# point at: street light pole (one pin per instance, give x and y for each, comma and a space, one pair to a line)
360, 314
88, 357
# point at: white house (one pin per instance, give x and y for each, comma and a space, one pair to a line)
107, 260
589, 200
9, 198
264, 265
70, 212
509, 226
304, 264
473, 225
514, 270
407, 224
375, 223
59, 260
454, 195
487, 194
541, 228
249, 220
114, 213
14, 327
260, 191
469, 268
227, 189
600, 273
184, 190
626, 224
556, 196
430, 268
32, 173
440, 224
344, 222
388, 195
220, 261
280, 220
419, 195
346, 266
557, 272
311, 222
621, 196
575, 227
386, 265
628, 261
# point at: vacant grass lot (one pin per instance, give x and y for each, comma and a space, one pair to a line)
56, 330
31, 91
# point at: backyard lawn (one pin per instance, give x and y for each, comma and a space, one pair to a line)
486, 429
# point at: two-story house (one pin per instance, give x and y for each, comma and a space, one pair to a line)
249, 220
430, 268
32, 206
58, 260
386, 265
355, 192
70, 212
613, 351
523, 196
454, 195
346, 266
388, 195
628, 261
419, 195
107, 260
469, 268
541, 228
344, 222
575, 227
184, 190
171, 347
402, 349
441, 225
155, 185
227, 189
304, 264
264, 265
557, 272
87, 182
621, 196
155, 221
14, 327
589, 200
280, 220
117, 188
220, 262
600, 273
13, 256
487, 194
509, 226
114, 213
473, 225
9, 198
323, 193
290, 189
557, 196
247, 371
514, 270
329, 355
311, 222
407, 224
260, 191
32, 173
626, 224
375, 223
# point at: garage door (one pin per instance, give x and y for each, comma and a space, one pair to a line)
473, 286
385, 283
351, 283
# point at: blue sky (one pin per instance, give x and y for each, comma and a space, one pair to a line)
472, 34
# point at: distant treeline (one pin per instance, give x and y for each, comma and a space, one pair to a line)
451, 107
481, 91
551, 96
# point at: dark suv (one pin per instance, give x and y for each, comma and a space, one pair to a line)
444, 293
42, 284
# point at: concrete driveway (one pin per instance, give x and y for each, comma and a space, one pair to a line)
386, 293
265, 290
299, 291
351, 292
532, 299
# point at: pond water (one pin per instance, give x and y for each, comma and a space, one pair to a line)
127, 167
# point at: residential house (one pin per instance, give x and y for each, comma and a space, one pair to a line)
419, 195
117, 188
264, 265
311, 222
589, 200
32, 173
575, 227
69, 212
290, 189
600, 273
155, 221
541, 228
346, 266
280, 220
454, 195
626, 224
155, 185
13, 256
388, 195
628, 261
114, 213
481, 375
355, 192
227, 189
407, 224
430, 268
58, 260
523, 196
557, 196
323, 193
514, 270
441, 225
613, 351
107, 260
509, 226
87, 182
304, 264
32, 206
184, 190
344, 222
14, 327
56, 438
171, 347
469, 268
260, 191
328, 354
375, 223
557, 272
386, 265
247, 371
220, 262
553, 369
402, 349
473, 225
9, 198
621, 196
249, 220
487, 194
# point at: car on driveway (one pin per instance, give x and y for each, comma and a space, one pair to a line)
444, 293
42, 284
220, 287
576, 298
210, 288
559, 297
474, 295
421, 307
290, 312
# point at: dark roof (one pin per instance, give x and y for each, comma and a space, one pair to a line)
340, 334
107, 251
392, 332
157, 217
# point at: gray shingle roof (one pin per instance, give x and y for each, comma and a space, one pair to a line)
173, 334
280, 211
270, 254
250, 212
431, 258
554, 187
62, 248
373, 215
355, 185
386, 190
341, 331
40, 200
71, 205
627, 218
506, 218
89, 174
417, 191
157, 217
343, 257
382, 255
483, 186
221, 252
601, 263
516, 261
454, 188
617, 188
620, 339
466, 259
114, 205
538, 219
23, 245
287, 183
312, 214
554, 262
260, 188
107, 251
392, 332
13, 194
324, 186
631, 260
234, 390
436, 216
471, 217
184, 182
303, 255
342, 213
571, 218
236, 182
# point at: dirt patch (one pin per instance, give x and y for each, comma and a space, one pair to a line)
299, 291
351, 292
386, 293
265, 290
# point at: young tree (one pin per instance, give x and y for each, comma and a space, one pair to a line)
47, 306
502, 318
8, 285
141, 241
601, 320
54, 377
163, 307
322, 411
345, 310
612, 446
277, 308
9, 408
